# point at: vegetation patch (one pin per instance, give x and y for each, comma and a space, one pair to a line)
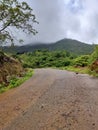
45, 58
82, 70
16, 81
61, 59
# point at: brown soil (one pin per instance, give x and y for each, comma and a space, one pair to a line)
94, 66
9, 67
51, 100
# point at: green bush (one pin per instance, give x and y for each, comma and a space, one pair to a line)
81, 61
41, 59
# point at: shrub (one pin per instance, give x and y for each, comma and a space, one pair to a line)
81, 61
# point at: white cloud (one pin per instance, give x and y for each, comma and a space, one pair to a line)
59, 19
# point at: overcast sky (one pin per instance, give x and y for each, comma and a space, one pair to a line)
58, 19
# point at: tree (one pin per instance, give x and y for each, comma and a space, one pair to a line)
15, 14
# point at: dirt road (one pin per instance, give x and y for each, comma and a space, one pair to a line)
51, 100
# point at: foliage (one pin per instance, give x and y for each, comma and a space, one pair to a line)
59, 59
81, 61
40, 59
16, 81
15, 14
94, 55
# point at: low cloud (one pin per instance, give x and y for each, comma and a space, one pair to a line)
76, 19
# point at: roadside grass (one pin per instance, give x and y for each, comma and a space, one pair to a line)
93, 73
16, 81
82, 70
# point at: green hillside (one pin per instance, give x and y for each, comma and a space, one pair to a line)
69, 45
73, 46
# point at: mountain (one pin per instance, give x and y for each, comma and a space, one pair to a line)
69, 45
73, 46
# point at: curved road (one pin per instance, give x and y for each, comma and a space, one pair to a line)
51, 100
